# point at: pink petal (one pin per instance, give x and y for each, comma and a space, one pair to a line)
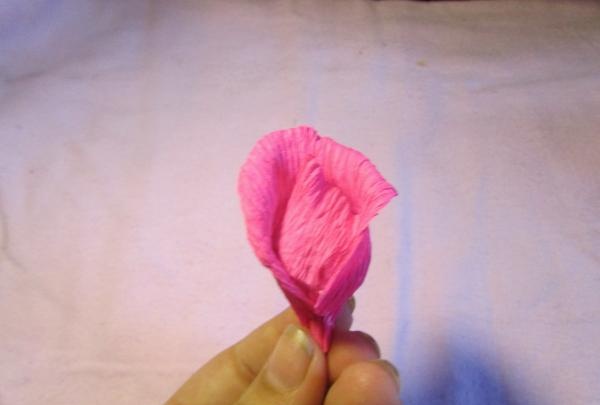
265, 183
307, 202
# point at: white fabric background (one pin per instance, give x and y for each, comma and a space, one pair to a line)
124, 264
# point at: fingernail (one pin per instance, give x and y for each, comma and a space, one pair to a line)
392, 371
352, 303
289, 362
344, 318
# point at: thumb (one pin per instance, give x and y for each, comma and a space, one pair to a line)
294, 374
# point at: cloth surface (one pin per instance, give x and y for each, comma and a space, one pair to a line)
124, 263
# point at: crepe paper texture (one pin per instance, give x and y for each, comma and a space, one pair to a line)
307, 203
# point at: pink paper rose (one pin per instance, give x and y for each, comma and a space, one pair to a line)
307, 202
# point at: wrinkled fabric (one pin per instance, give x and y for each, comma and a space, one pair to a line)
307, 202
124, 265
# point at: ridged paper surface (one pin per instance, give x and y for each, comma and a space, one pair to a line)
307, 202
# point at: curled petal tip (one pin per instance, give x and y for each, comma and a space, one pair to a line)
307, 202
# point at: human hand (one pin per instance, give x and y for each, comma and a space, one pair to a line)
279, 363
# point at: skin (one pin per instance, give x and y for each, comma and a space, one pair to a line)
352, 373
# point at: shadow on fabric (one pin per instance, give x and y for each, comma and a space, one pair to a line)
461, 375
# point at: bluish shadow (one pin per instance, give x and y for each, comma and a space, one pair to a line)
461, 375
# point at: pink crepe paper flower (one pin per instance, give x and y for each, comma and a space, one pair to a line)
307, 202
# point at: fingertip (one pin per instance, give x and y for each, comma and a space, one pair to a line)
349, 347
368, 341
391, 370
373, 382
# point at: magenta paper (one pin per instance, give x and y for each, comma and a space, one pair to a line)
307, 202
